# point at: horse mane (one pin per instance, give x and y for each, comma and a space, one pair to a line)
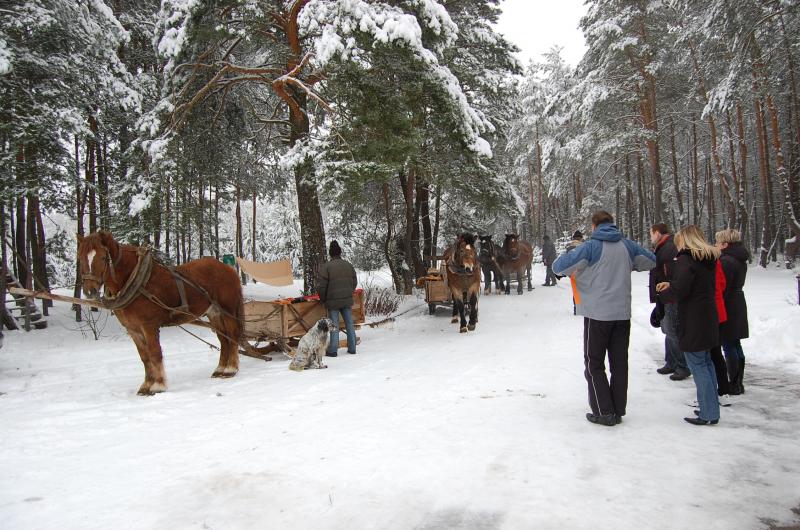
469, 239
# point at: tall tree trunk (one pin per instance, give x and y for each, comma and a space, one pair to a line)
640, 197
20, 241
91, 173
5, 316
239, 237
79, 205
675, 179
712, 211
389, 241
744, 218
437, 211
216, 220
407, 189
423, 198
253, 230
36, 235
695, 174
766, 186
629, 196
102, 183
167, 214
201, 205
539, 211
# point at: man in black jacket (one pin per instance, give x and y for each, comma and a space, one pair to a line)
664, 248
335, 284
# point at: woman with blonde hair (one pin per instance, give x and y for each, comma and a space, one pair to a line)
693, 287
734, 264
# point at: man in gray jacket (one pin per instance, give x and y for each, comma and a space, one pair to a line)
336, 282
601, 271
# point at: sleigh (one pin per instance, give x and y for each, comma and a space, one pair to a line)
435, 283
278, 325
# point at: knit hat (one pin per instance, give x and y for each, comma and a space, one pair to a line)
577, 235
334, 250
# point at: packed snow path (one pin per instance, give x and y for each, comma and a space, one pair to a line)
423, 428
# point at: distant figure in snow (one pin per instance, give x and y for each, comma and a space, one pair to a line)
602, 290
548, 257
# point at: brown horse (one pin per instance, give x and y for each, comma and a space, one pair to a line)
146, 295
517, 255
464, 280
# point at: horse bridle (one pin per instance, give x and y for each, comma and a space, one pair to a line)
512, 257
101, 279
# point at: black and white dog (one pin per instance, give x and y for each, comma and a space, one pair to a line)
312, 346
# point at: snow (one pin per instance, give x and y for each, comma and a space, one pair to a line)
423, 428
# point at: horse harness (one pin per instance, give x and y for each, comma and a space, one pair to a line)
135, 285
454, 268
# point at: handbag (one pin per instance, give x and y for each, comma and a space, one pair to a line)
657, 315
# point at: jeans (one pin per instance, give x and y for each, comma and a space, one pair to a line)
347, 316
550, 276
673, 356
705, 380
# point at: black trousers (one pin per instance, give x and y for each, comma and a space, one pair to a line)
606, 395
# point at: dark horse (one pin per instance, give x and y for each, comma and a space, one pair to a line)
146, 295
516, 255
488, 258
464, 280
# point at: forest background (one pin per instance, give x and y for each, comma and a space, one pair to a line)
266, 128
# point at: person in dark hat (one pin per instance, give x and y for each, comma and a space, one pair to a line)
336, 282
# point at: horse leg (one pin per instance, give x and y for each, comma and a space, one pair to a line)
519, 280
487, 279
530, 285
141, 346
156, 362
454, 320
227, 333
498, 280
473, 311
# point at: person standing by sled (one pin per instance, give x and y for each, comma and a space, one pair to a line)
693, 287
664, 247
548, 257
601, 270
335, 284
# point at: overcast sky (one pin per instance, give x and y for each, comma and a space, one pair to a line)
536, 25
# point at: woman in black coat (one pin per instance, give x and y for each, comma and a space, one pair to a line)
734, 263
693, 286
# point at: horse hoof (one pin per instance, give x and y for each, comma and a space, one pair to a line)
145, 392
454, 320
323, 366
471, 327
464, 329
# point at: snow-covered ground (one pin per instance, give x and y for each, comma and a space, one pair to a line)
423, 428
